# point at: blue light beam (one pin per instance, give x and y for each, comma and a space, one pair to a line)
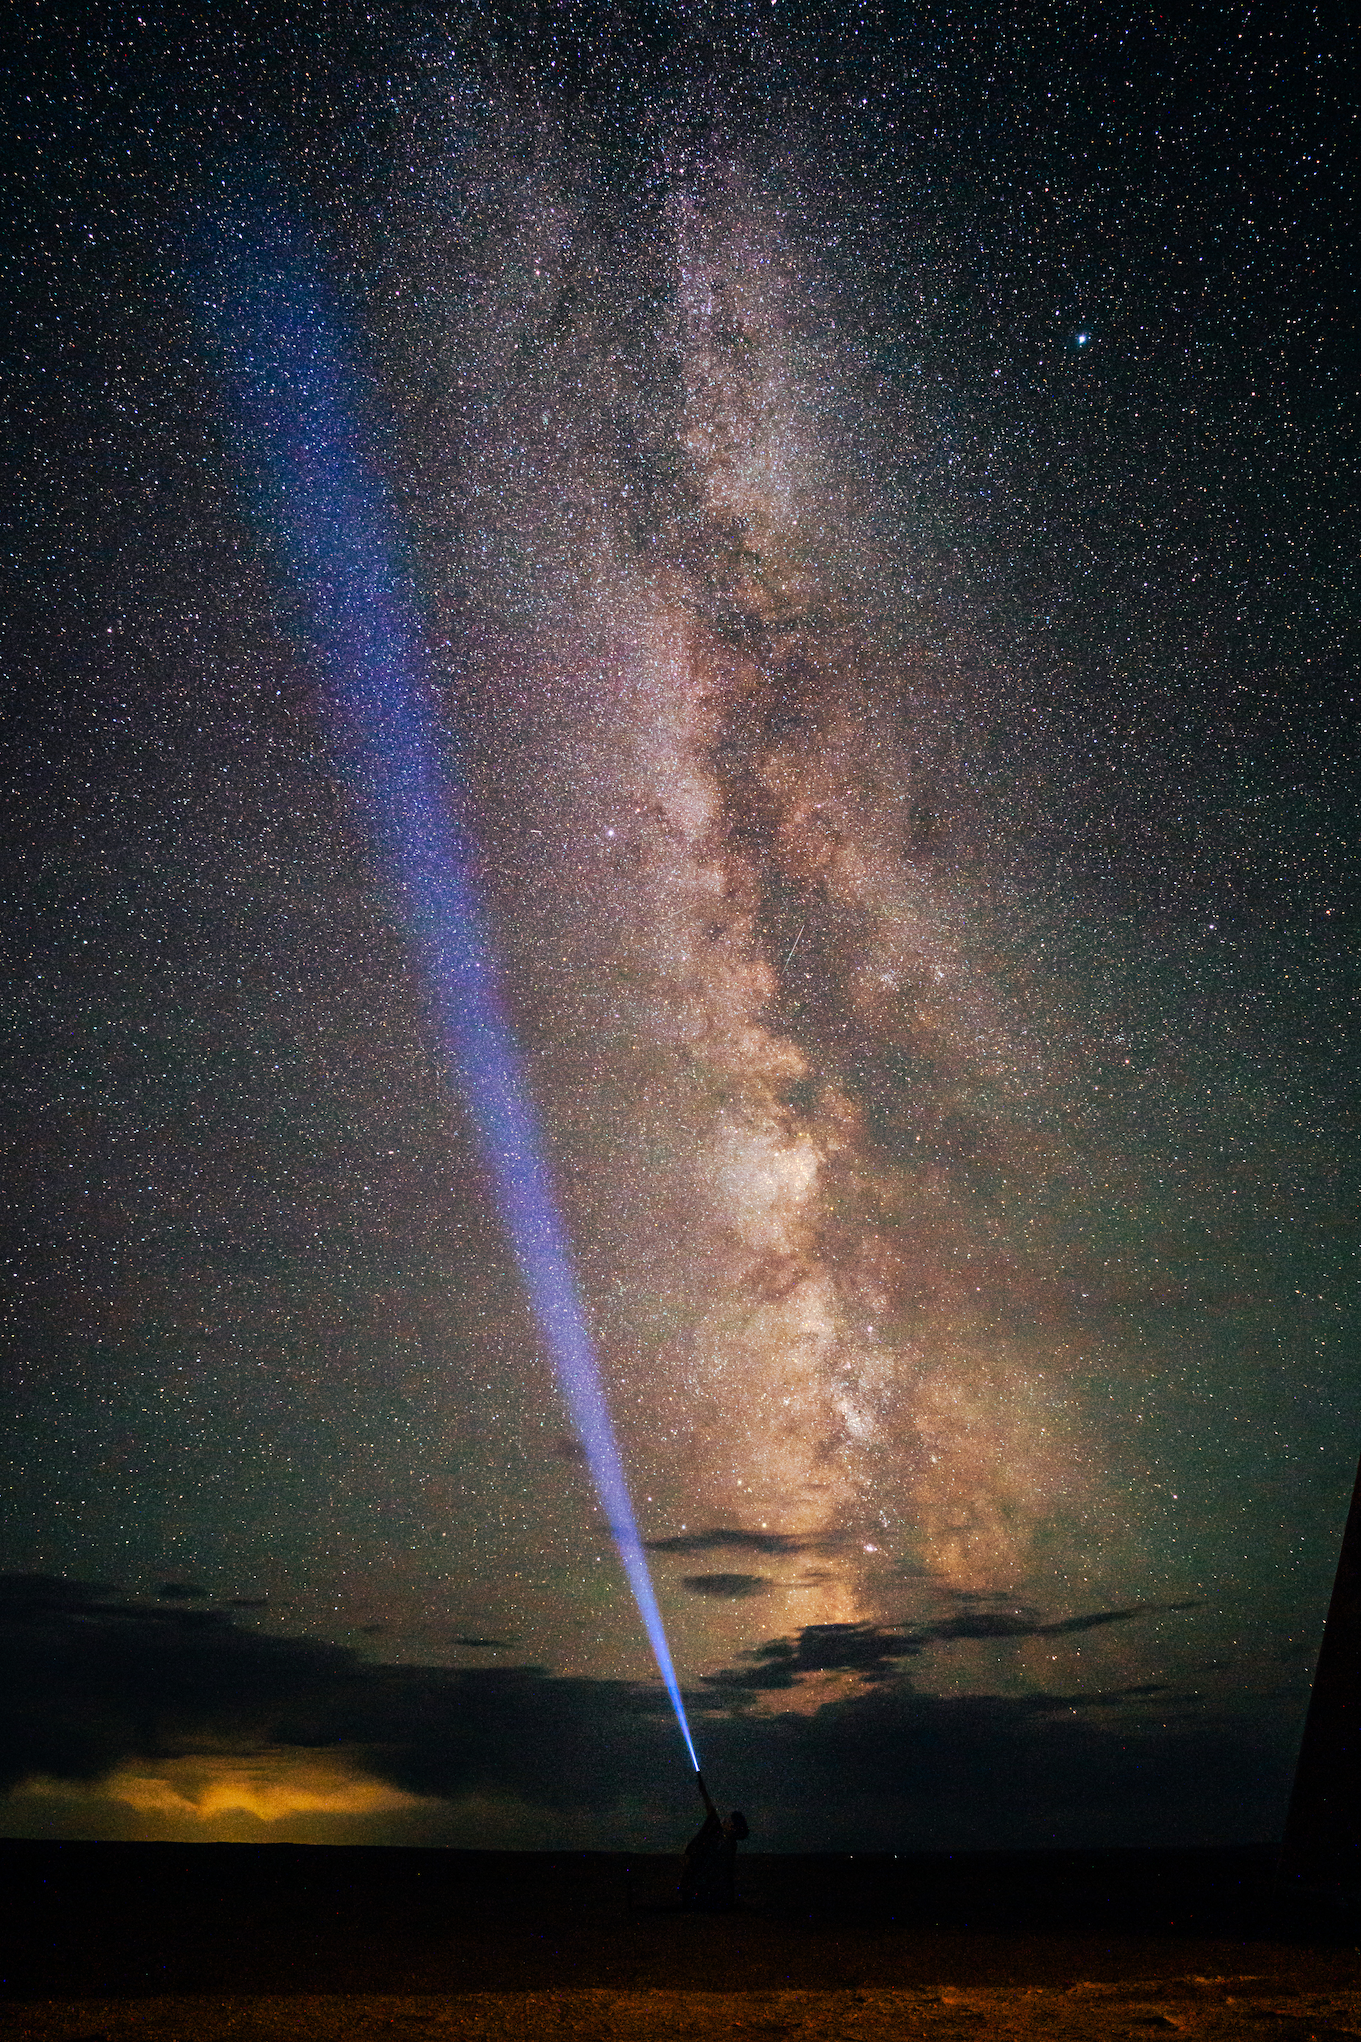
299, 404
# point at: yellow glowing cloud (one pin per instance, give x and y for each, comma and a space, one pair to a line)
271, 1786
212, 1794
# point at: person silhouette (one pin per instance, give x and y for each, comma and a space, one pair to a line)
709, 1861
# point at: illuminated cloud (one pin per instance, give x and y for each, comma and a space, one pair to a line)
270, 1786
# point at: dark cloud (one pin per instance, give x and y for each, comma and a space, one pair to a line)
871, 1650
86, 1680
724, 1539
248, 1602
36, 1594
735, 1586
182, 1591
89, 1682
491, 1644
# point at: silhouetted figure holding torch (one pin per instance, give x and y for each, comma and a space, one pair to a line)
709, 1863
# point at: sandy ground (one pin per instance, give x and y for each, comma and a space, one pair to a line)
193, 1943
1212, 2008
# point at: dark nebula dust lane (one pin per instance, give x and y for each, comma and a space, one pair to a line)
877, 504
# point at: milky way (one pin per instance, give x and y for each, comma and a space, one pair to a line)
785, 985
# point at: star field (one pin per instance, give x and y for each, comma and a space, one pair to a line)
881, 498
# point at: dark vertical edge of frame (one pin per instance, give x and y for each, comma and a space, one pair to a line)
1323, 1826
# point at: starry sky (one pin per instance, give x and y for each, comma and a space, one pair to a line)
881, 494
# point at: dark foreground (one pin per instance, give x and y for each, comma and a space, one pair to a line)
205, 1940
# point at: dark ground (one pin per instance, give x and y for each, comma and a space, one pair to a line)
109, 1921
219, 1942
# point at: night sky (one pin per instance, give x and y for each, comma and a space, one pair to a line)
880, 486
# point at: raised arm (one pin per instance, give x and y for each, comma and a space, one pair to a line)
704, 1791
